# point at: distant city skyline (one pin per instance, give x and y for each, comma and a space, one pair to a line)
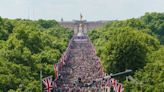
92, 10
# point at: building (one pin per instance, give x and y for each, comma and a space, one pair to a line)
86, 25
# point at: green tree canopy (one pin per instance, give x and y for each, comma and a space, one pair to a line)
151, 77
125, 48
26, 47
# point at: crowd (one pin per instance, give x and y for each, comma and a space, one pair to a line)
82, 67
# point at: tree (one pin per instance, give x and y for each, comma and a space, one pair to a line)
133, 44
150, 79
3, 31
26, 48
155, 22
47, 23
127, 49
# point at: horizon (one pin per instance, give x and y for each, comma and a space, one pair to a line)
92, 10
79, 19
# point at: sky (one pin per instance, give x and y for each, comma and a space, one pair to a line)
92, 10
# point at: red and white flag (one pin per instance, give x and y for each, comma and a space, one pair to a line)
114, 84
48, 84
56, 71
120, 88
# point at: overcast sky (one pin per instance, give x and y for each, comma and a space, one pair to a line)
71, 9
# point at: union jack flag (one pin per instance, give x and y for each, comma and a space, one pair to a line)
118, 87
48, 84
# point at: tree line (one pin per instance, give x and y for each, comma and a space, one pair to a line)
135, 44
26, 47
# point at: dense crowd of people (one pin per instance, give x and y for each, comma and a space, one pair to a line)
82, 68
